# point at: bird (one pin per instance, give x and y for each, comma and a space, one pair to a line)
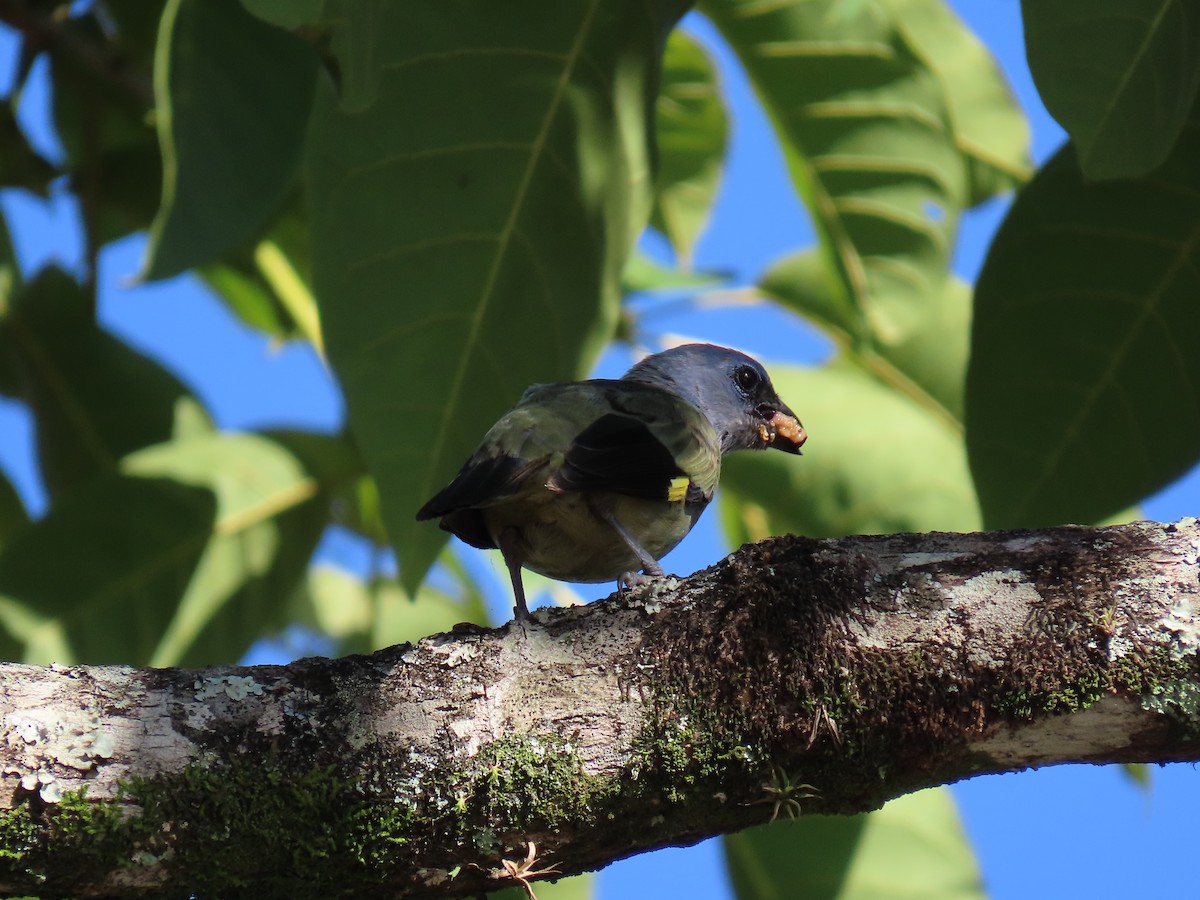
594, 480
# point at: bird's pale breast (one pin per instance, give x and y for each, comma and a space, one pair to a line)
565, 540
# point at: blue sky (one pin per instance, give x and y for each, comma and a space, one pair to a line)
1067, 831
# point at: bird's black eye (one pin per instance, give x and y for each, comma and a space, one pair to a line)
746, 378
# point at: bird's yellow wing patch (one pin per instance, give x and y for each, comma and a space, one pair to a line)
678, 488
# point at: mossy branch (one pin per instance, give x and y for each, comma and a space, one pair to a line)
828, 675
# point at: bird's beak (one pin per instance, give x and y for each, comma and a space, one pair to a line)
781, 429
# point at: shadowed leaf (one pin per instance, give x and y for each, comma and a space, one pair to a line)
912, 847
94, 398
10, 282
13, 516
286, 13
23, 166
460, 258
269, 285
112, 159
233, 96
1083, 394
1121, 77
213, 534
691, 126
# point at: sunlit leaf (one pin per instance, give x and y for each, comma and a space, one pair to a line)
1139, 774
94, 398
399, 618
233, 96
249, 297
1121, 76
866, 130
989, 128
367, 615
876, 462
928, 366
643, 274
460, 258
691, 127
912, 847
337, 604
577, 887
1083, 393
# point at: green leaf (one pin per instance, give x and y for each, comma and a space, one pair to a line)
269, 286
23, 167
358, 510
1082, 390
876, 462
460, 258
577, 887
692, 128
990, 130
868, 138
249, 297
1139, 775
928, 366
233, 100
1121, 76
364, 617
108, 566
912, 847
136, 34
185, 556
336, 604
94, 398
112, 157
286, 13
399, 618
10, 283
10, 269
13, 516
643, 275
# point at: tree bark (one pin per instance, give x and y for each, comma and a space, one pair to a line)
824, 674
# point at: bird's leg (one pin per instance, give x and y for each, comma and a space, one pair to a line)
650, 565
510, 542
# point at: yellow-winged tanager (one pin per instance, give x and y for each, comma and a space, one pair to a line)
592, 480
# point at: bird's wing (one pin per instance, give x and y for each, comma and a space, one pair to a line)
618, 436
648, 443
521, 449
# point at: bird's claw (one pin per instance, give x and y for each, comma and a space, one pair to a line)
636, 580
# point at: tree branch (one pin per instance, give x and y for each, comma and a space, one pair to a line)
861, 668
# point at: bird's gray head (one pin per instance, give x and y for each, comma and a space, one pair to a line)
731, 389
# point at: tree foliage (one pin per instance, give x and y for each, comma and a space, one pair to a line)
422, 191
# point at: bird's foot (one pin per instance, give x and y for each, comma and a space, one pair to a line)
522, 619
635, 581
643, 588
